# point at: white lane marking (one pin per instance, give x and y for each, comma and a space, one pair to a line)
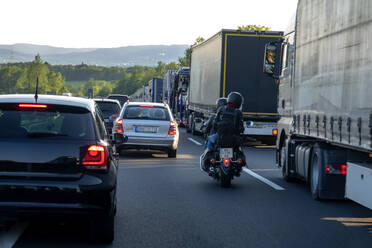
9, 238
262, 179
194, 141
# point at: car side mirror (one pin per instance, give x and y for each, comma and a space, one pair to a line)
113, 117
272, 58
120, 138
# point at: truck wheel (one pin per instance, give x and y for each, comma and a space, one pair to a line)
188, 129
315, 174
283, 153
193, 131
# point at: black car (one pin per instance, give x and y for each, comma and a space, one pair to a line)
56, 159
110, 110
121, 98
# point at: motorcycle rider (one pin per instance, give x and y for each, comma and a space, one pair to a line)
209, 125
228, 125
229, 121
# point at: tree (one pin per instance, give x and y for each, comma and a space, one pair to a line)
253, 27
56, 82
34, 70
186, 60
8, 79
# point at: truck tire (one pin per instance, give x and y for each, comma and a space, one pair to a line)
188, 127
193, 131
315, 173
283, 155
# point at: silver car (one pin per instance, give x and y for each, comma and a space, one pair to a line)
148, 126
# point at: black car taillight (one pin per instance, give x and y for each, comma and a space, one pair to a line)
95, 158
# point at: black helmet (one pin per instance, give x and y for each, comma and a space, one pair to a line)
221, 102
235, 99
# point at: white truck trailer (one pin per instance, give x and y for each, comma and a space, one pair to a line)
325, 98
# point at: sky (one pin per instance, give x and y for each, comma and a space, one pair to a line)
116, 23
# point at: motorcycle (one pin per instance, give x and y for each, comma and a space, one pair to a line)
224, 164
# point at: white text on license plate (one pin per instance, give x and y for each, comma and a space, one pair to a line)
226, 153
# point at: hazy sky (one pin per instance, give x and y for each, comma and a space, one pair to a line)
114, 23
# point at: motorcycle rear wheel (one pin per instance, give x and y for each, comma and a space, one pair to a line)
225, 180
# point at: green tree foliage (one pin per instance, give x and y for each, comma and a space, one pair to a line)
9, 76
253, 27
186, 60
100, 88
22, 79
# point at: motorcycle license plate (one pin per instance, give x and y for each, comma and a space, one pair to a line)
226, 153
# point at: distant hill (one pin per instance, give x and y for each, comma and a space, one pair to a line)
121, 56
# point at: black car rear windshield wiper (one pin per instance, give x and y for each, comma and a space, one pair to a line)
42, 135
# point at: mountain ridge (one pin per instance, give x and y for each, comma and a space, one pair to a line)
145, 55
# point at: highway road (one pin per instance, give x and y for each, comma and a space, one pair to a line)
166, 202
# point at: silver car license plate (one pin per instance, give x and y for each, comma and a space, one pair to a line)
140, 129
226, 153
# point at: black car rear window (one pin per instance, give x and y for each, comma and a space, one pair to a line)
121, 99
108, 108
146, 112
54, 121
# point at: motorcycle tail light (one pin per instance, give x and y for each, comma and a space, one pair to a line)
226, 162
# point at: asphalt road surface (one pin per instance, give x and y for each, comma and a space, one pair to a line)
166, 202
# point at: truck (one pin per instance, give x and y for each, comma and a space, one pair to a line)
230, 61
179, 93
324, 69
168, 81
156, 90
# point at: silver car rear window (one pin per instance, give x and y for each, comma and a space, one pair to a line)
146, 112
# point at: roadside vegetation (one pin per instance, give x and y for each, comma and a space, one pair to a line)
18, 78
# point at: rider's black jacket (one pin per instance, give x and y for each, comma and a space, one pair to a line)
229, 123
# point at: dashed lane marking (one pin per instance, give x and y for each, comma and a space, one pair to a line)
262, 179
9, 238
194, 141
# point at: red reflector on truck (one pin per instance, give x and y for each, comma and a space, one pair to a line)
337, 169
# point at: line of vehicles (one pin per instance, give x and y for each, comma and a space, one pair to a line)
307, 91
